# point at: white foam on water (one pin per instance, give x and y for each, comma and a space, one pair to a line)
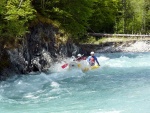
55, 84
111, 90
31, 96
125, 61
114, 111
57, 67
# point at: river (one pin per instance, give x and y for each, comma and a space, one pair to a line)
120, 85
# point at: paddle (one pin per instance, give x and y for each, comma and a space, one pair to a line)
64, 66
75, 59
79, 57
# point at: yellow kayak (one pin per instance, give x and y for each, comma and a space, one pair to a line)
83, 67
95, 67
87, 68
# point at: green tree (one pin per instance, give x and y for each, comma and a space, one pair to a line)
104, 15
15, 16
147, 16
72, 15
2, 8
134, 17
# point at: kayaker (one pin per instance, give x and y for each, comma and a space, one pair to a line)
80, 57
91, 59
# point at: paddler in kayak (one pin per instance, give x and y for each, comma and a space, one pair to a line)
91, 59
80, 57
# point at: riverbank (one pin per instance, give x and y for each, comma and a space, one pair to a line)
133, 46
38, 54
118, 45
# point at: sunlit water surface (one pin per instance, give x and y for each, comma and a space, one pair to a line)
121, 85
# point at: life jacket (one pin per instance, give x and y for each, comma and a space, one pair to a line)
92, 60
81, 58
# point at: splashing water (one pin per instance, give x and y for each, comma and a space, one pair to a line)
121, 85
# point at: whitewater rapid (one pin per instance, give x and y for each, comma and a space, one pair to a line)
120, 85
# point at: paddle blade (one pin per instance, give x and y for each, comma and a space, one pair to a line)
64, 66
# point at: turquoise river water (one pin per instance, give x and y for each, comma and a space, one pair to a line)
121, 85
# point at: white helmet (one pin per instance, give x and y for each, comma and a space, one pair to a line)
92, 53
79, 55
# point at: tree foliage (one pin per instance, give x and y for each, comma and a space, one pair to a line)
103, 17
76, 17
15, 16
134, 18
73, 15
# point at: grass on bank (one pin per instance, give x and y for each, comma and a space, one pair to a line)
94, 40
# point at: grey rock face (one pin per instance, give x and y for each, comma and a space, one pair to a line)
37, 52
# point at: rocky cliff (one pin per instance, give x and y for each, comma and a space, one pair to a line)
36, 52
42, 47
